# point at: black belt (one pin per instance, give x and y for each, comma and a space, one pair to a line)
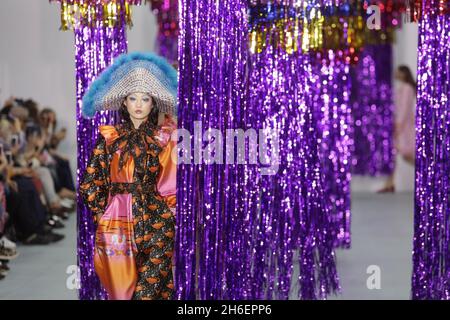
131, 187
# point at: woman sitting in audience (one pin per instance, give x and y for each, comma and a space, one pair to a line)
36, 184
58, 163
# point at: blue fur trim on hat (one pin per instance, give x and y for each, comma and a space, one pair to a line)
93, 97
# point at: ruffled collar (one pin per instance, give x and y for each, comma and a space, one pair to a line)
134, 142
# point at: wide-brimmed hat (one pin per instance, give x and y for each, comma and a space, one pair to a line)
129, 73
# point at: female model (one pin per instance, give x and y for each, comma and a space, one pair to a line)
129, 183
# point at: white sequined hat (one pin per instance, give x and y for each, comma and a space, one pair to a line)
134, 72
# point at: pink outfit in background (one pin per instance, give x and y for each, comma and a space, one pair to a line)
405, 102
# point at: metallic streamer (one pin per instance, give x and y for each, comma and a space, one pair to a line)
372, 109
167, 40
212, 234
320, 24
431, 254
337, 32
416, 9
239, 232
108, 13
293, 224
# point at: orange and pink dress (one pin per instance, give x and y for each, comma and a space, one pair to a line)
131, 179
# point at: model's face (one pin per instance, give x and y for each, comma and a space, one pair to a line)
139, 105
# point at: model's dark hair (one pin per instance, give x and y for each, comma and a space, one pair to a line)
407, 76
153, 116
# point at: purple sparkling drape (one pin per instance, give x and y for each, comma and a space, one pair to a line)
95, 47
212, 254
431, 255
294, 224
372, 108
239, 231
331, 85
167, 39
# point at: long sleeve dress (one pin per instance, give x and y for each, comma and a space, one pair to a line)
130, 178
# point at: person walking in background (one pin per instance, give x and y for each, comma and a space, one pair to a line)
404, 129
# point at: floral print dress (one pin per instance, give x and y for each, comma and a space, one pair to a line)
130, 180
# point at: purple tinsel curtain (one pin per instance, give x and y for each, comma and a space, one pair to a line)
167, 39
371, 100
212, 253
431, 256
331, 85
243, 229
95, 47
293, 225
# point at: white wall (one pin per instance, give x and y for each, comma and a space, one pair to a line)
405, 47
37, 60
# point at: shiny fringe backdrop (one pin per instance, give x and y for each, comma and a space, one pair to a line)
293, 238
239, 231
345, 38
167, 16
335, 33
309, 27
100, 35
372, 110
431, 255
213, 251
331, 86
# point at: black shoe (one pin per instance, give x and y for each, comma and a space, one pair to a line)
63, 215
59, 225
55, 237
46, 229
37, 239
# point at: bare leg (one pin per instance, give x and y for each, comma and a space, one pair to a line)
389, 186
